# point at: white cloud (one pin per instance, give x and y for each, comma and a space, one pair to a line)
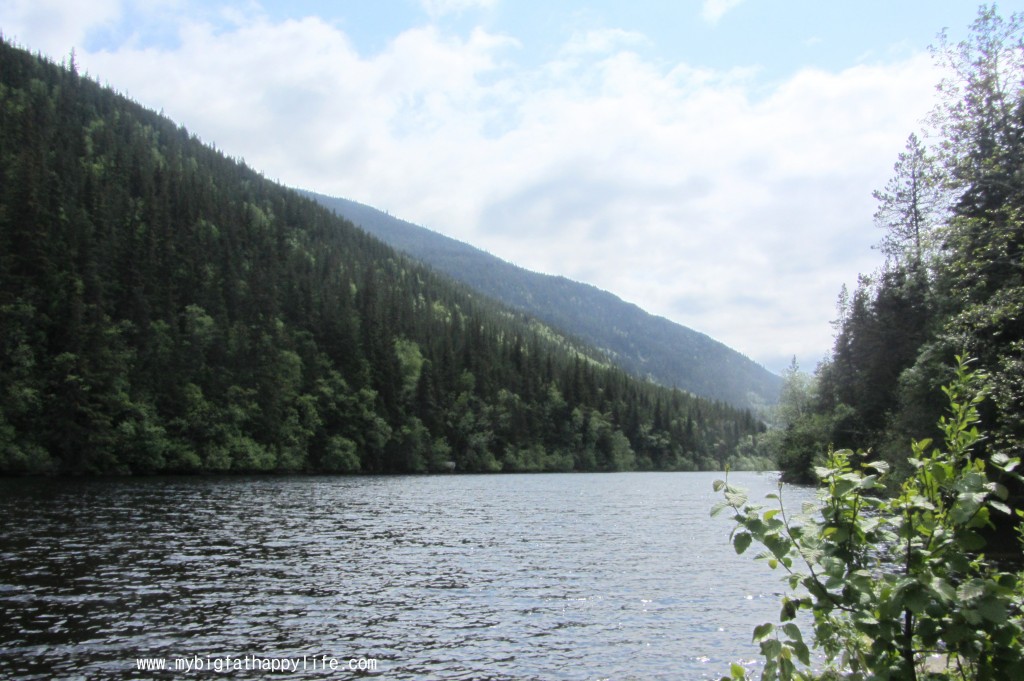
54, 27
602, 41
439, 8
735, 213
714, 10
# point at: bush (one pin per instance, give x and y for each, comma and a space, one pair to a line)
896, 582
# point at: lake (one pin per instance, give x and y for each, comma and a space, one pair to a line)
554, 576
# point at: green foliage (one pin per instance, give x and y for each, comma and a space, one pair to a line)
166, 309
641, 343
953, 282
897, 584
799, 433
910, 205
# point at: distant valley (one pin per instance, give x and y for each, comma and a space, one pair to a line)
166, 309
643, 344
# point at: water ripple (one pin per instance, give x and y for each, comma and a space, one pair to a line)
618, 576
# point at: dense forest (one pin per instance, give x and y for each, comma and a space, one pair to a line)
164, 308
641, 343
953, 280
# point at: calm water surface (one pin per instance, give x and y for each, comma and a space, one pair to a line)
576, 576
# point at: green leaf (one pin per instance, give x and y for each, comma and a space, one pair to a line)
789, 608
718, 485
843, 486
972, 541
881, 466
793, 631
802, 653
966, 506
971, 590
864, 618
868, 482
992, 609
943, 589
1000, 490
741, 541
771, 648
735, 496
762, 631
1000, 506
737, 671
916, 599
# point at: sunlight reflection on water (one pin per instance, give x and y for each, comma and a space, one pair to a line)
575, 576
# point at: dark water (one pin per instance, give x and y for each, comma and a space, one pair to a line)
604, 576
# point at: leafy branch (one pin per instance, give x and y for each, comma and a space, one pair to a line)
896, 582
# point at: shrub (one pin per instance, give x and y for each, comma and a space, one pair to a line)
895, 577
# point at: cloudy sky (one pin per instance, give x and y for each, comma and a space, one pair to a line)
711, 161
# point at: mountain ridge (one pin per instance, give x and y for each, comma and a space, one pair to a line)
645, 345
167, 309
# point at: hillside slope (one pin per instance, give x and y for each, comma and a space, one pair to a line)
164, 308
641, 343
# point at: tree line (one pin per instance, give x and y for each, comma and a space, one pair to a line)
952, 283
164, 308
909, 565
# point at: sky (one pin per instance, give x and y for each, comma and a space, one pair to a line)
711, 161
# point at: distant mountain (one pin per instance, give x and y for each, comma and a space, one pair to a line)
164, 308
640, 343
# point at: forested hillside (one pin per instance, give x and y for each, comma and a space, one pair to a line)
953, 283
165, 308
641, 343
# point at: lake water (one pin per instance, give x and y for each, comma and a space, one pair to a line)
574, 576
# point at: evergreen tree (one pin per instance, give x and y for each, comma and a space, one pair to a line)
910, 205
164, 308
953, 283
